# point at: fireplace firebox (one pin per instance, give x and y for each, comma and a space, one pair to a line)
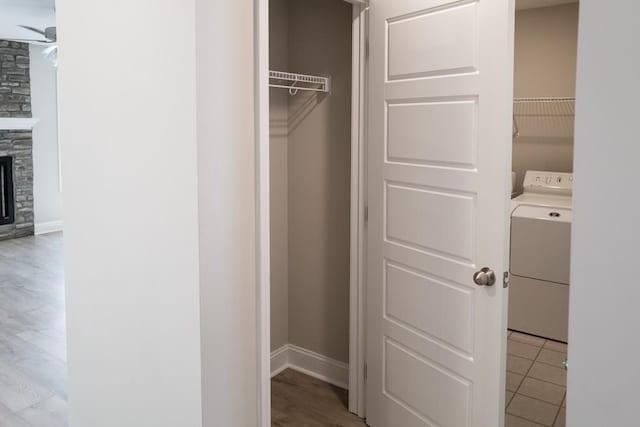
7, 208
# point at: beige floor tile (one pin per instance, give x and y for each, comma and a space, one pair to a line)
513, 381
556, 346
513, 421
561, 419
519, 365
527, 339
507, 397
548, 373
542, 390
533, 410
520, 349
551, 357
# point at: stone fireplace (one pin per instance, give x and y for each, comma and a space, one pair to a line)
7, 203
16, 145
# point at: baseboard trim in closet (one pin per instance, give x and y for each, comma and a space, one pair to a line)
311, 363
279, 360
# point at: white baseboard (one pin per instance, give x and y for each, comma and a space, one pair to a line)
48, 227
279, 360
310, 363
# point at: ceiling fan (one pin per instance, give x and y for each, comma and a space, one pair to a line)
49, 34
49, 38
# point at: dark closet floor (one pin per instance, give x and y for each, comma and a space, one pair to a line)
298, 400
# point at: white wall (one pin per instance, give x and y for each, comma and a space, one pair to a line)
46, 171
604, 315
156, 102
227, 197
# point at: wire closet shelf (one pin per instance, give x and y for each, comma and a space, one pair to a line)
545, 112
295, 82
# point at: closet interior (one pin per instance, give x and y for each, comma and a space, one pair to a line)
310, 161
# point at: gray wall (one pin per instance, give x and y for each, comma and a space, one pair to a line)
15, 102
279, 115
604, 317
319, 179
545, 65
310, 178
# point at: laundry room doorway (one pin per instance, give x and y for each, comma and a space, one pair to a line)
439, 133
545, 53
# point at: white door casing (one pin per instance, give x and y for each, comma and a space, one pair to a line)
440, 100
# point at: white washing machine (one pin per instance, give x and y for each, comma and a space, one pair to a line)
540, 255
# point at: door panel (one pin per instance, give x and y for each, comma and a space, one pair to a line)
434, 41
420, 303
425, 388
419, 133
439, 221
439, 157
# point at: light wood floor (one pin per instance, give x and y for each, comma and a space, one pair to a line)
298, 400
33, 390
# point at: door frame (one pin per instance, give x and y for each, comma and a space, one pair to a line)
357, 214
357, 314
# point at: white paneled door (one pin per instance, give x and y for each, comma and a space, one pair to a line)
439, 174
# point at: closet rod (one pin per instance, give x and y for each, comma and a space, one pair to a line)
295, 82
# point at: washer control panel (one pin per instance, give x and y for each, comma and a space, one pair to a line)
548, 183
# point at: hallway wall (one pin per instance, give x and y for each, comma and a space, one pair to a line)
603, 374
161, 298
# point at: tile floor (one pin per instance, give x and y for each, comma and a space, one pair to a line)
536, 382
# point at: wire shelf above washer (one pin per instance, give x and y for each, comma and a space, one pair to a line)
544, 107
295, 82
544, 117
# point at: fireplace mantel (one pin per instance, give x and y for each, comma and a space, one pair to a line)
17, 123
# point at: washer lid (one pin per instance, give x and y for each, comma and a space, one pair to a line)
543, 213
542, 200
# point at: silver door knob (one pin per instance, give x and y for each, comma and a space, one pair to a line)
485, 277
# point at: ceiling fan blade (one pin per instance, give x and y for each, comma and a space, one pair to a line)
31, 41
35, 30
